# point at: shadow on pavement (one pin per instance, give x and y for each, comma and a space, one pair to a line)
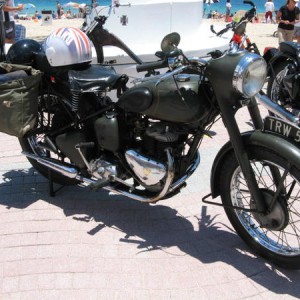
153, 227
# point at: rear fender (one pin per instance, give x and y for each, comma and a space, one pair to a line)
276, 143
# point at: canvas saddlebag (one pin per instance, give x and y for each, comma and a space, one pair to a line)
19, 89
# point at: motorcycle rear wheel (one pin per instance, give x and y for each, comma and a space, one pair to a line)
278, 242
30, 142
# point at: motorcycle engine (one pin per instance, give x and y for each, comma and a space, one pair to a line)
151, 168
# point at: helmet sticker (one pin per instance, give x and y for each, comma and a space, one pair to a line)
76, 40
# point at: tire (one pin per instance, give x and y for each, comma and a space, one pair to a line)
53, 114
279, 240
276, 91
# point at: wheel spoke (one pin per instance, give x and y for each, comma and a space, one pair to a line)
286, 240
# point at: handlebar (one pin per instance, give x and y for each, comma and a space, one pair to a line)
163, 63
233, 25
148, 66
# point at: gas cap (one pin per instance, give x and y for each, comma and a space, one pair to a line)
183, 77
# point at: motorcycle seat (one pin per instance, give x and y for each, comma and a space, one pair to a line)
291, 48
83, 77
94, 78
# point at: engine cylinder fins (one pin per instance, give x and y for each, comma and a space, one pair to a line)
162, 133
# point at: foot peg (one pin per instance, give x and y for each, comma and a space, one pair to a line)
99, 184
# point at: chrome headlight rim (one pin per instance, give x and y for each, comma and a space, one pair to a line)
241, 74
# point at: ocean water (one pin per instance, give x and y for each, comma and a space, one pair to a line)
51, 5
238, 5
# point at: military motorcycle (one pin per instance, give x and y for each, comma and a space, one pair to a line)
145, 144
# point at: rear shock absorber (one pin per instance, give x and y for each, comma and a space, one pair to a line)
75, 100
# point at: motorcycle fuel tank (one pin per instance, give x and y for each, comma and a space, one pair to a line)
174, 99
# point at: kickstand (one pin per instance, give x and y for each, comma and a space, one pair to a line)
52, 192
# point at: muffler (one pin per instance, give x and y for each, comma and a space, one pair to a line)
64, 169
276, 109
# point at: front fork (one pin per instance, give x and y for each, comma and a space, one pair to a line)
228, 116
258, 124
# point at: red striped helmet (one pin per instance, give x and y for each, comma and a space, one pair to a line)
68, 46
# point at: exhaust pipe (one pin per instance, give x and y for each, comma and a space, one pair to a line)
71, 172
50, 163
276, 109
63, 169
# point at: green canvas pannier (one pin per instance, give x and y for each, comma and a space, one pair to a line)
19, 88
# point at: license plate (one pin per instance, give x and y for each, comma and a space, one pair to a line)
283, 128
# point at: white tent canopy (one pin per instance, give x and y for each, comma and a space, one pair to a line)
142, 28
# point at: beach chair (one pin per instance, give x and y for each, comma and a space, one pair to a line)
20, 32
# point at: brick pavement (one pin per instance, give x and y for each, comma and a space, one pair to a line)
95, 245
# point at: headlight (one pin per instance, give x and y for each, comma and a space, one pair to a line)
250, 75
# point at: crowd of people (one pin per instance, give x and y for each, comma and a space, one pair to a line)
287, 17
10, 12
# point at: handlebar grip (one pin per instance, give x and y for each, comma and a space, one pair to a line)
152, 65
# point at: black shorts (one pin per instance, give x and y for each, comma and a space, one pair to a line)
10, 29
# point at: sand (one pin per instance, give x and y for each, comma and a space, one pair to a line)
35, 29
260, 33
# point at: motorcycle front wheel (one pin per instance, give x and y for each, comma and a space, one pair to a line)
275, 235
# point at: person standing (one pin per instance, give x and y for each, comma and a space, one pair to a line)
286, 18
297, 30
228, 10
9, 24
270, 8
58, 9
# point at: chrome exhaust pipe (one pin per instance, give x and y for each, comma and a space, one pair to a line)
58, 167
276, 109
51, 164
71, 172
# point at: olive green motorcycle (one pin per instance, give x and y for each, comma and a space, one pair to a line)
143, 141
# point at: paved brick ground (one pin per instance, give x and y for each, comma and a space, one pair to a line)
95, 245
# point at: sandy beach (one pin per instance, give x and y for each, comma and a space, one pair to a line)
260, 33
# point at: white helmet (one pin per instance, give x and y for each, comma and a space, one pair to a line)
68, 46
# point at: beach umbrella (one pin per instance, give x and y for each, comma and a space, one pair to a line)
208, 2
29, 5
82, 5
72, 4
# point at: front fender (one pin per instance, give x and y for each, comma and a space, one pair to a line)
276, 143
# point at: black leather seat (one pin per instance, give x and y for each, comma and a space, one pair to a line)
289, 48
93, 78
